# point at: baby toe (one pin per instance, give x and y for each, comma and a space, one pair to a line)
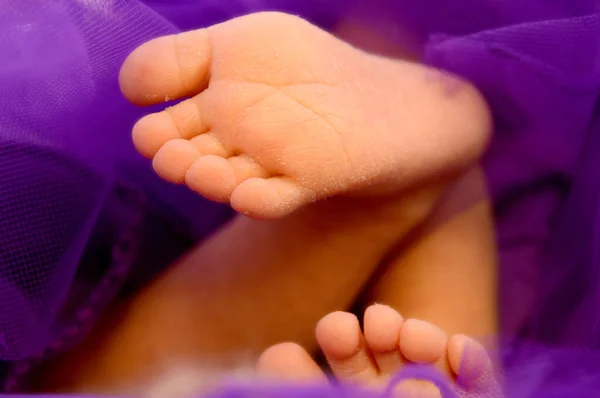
342, 342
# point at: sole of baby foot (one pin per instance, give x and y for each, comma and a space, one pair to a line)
276, 113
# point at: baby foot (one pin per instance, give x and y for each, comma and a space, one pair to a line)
387, 344
279, 113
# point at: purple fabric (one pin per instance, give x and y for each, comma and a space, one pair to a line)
269, 390
72, 188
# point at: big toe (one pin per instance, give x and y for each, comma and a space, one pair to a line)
168, 67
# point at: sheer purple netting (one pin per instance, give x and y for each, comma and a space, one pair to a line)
78, 206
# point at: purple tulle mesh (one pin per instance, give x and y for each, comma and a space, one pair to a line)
65, 156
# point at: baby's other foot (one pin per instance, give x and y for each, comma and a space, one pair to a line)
279, 113
387, 344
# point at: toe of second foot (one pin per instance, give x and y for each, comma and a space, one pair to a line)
288, 361
422, 342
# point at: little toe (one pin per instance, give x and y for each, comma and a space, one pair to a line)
382, 326
212, 177
289, 361
342, 342
173, 160
169, 67
270, 198
472, 365
422, 342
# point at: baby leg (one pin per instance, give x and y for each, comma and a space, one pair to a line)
443, 281
452, 259
447, 275
254, 284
